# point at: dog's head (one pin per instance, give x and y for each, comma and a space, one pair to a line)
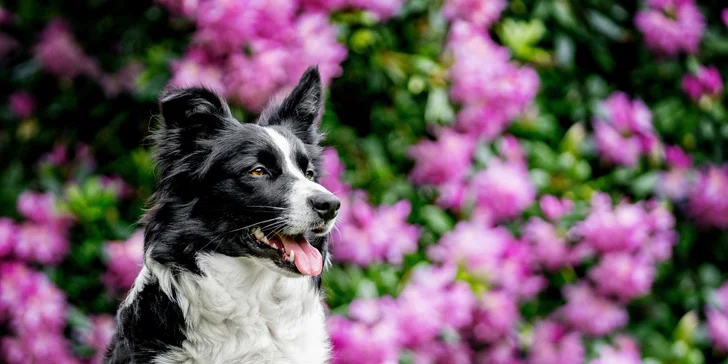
252, 188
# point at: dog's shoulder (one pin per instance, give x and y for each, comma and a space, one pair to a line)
149, 322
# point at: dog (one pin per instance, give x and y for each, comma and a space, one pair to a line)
236, 236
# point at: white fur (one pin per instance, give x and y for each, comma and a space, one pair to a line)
301, 215
242, 311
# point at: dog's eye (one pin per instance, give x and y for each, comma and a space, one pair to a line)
258, 172
309, 174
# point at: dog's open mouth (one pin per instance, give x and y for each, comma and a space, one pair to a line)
293, 249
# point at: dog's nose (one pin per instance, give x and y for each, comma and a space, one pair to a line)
325, 204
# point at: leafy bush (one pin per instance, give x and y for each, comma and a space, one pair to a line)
525, 181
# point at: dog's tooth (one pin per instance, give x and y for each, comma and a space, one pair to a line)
258, 233
290, 257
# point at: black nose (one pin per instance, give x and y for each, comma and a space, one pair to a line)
325, 204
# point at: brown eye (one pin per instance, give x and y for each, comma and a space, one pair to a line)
258, 172
309, 174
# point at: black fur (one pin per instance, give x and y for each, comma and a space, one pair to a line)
206, 198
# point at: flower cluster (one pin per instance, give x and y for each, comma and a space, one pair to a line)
705, 82
365, 233
717, 315
59, 54
36, 311
124, 260
671, 26
250, 50
624, 133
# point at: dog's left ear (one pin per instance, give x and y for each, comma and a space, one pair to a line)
301, 110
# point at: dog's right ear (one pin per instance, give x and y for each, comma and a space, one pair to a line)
194, 112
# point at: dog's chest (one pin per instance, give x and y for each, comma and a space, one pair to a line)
245, 313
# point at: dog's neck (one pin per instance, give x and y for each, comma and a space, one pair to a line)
240, 310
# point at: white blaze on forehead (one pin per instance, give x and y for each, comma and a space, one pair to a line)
285, 147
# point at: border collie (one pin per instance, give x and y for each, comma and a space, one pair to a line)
236, 236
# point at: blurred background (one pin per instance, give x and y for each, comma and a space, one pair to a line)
526, 181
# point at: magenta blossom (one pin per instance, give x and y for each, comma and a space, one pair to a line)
491, 96
671, 26
706, 82
724, 16
554, 208
41, 347
42, 208
478, 12
495, 316
503, 189
717, 315
553, 343
22, 104
677, 158
97, 335
589, 313
372, 337
625, 351
445, 160
625, 132
382, 9
124, 261
708, 200
116, 185
622, 228
42, 243
8, 237
623, 275
60, 54
197, 69
333, 172
549, 247
374, 234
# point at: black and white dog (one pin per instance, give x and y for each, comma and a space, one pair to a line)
236, 236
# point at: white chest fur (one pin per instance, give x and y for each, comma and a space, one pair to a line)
240, 311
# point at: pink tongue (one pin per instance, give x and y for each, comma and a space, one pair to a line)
307, 258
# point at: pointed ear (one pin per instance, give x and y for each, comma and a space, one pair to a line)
196, 112
301, 110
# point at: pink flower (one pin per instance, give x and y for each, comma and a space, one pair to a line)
59, 53
432, 302
478, 12
8, 237
97, 335
491, 90
478, 248
553, 343
124, 260
42, 208
706, 82
315, 43
439, 352
622, 228
369, 234
717, 323
625, 351
590, 314
372, 338
623, 275
503, 189
444, 160
124, 80
382, 9
724, 16
495, 316
40, 347
554, 208
503, 352
708, 200
671, 26
57, 156
252, 80
549, 248
197, 69
452, 195
626, 132
116, 185
325, 5
46, 243
334, 170
22, 104
677, 158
